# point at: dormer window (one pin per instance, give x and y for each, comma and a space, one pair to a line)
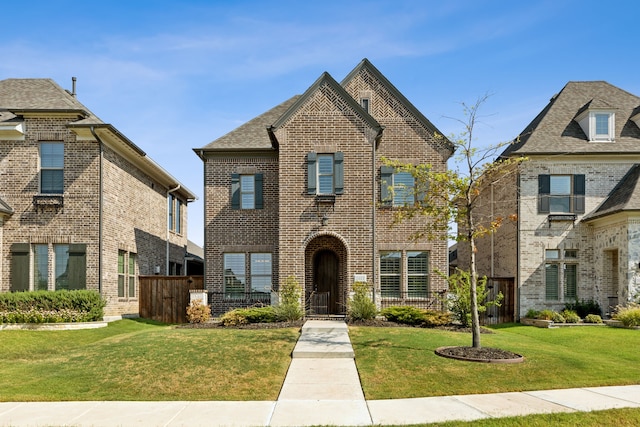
598, 125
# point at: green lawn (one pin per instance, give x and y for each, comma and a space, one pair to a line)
400, 362
134, 360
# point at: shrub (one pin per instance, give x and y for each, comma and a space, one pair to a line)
266, 314
436, 318
404, 314
629, 315
289, 308
51, 307
532, 314
570, 316
459, 300
546, 315
584, 307
233, 318
557, 317
197, 312
360, 306
592, 318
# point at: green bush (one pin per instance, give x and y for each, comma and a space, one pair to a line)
570, 316
459, 299
546, 315
629, 315
197, 312
557, 318
404, 314
436, 318
233, 318
51, 307
584, 307
289, 308
592, 318
360, 306
532, 314
266, 314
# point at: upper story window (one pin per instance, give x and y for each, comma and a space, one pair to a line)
364, 102
561, 193
325, 173
246, 191
51, 168
598, 125
174, 213
398, 188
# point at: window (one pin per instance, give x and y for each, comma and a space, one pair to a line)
234, 275
417, 273
64, 263
390, 274
51, 168
246, 191
561, 193
561, 274
126, 274
261, 272
174, 213
398, 188
325, 173
598, 125
236, 284
364, 102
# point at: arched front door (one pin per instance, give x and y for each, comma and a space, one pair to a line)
326, 277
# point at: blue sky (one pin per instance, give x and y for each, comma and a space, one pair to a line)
173, 76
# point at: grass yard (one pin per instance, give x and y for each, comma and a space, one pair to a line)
137, 360
400, 362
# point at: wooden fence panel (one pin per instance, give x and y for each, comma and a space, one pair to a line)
165, 298
507, 310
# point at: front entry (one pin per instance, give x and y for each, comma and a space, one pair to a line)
326, 276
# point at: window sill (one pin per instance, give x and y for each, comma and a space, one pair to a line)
46, 201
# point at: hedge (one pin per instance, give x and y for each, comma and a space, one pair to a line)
51, 307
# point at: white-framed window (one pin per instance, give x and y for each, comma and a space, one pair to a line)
598, 125
261, 269
48, 267
174, 213
247, 192
325, 174
403, 189
404, 274
399, 188
51, 168
126, 274
561, 193
561, 274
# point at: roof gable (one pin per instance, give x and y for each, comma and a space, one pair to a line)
624, 197
555, 129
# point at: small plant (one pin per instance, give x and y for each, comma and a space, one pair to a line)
545, 315
404, 314
360, 306
557, 317
584, 307
233, 318
266, 314
459, 299
592, 318
629, 315
570, 316
436, 318
289, 309
532, 314
197, 312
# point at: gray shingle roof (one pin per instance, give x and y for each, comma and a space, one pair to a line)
253, 134
555, 131
624, 197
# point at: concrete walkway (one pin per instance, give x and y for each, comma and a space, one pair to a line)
322, 387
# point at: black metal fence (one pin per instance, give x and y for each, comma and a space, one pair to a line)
423, 300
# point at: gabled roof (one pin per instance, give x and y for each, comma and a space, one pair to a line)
365, 64
554, 130
326, 79
624, 197
19, 97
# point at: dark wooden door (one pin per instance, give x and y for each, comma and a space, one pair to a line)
325, 277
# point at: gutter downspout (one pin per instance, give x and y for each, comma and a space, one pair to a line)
166, 271
100, 207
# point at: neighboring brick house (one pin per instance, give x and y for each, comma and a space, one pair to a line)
297, 192
577, 198
81, 206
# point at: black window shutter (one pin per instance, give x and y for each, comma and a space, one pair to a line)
338, 160
578, 193
20, 267
77, 266
312, 158
235, 191
544, 189
259, 199
386, 184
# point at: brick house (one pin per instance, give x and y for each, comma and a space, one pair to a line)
577, 198
301, 191
81, 206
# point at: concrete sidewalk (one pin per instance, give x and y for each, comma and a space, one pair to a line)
322, 387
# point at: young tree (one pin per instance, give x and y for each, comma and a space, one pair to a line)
453, 197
